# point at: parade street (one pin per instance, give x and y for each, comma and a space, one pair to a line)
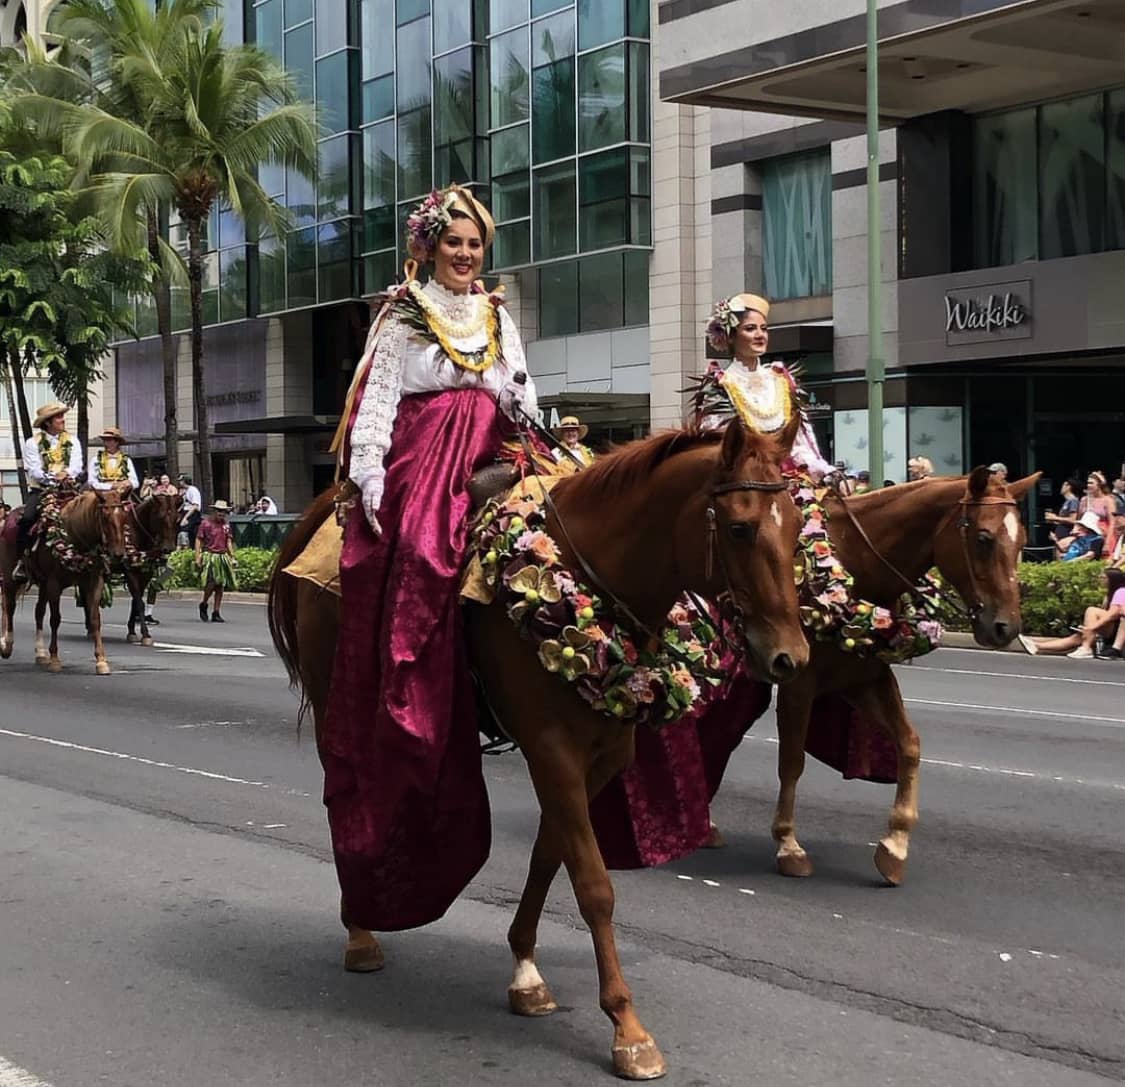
168, 915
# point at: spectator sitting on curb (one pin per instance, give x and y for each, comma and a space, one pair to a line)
1081, 644
1086, 542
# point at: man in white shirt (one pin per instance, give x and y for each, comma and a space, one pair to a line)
192, 507
51, 458
112, 469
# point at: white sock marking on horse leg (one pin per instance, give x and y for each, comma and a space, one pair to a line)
526, 976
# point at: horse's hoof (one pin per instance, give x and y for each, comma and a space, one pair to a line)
5, 651
532, 1002
642, 1060
133, 639
147, 642
891, 868
102, 668
714, 839
43, 660
54, 666
366, 959
797, 865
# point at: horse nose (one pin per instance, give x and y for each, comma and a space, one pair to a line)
783, 668
1004, 631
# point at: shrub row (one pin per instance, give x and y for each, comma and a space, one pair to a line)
255, 564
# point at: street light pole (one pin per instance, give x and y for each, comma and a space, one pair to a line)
876, 365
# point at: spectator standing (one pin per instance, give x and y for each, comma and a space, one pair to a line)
1063, 521
192, 509
267, 506
1119, 494
919, 468
215, 560
998, 472
862, 482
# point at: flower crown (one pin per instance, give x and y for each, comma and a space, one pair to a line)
725, 318
425, 224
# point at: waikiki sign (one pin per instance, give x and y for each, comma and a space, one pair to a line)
999, 311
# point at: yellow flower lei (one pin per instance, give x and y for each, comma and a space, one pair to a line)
444, 330
120, 474
747, 413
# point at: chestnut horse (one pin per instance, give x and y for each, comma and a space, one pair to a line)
150, 532
971, 530
94, 522
680, 510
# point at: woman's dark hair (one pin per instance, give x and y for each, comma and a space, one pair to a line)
1074, 485
1114, 580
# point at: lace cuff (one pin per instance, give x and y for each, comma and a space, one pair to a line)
515, 361
370, 437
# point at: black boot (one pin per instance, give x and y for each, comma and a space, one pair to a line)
203, 612
217, 618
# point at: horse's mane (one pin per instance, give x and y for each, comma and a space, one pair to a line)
627, 465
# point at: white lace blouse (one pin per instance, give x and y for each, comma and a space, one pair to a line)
405, 364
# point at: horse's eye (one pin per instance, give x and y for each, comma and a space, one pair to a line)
740, 531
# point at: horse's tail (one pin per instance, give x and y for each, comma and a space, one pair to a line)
282, 606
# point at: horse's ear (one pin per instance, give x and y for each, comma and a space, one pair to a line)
1021, 486
978, 481
734, 444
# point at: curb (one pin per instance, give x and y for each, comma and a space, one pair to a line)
956, 639
232, 598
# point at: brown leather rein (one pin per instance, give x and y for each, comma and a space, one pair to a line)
977, 606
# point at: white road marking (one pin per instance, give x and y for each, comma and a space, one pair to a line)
1111, 722
11, 1075
1017, 675
1005, 957
129, 758
746, 891
688, 878
207, 650
710, 883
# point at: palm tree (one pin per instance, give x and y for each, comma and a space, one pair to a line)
216, 113
111, 53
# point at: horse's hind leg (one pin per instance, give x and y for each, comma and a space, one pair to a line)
882, 702
560, 783
41, 654
794, 704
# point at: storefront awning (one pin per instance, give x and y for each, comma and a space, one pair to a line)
934, 55
281, 424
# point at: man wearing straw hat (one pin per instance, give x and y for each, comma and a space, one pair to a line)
111, 469
571, 432
51, 458
214, 558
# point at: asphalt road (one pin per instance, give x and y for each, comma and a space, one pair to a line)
167, 902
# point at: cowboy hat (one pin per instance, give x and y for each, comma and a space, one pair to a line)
221, 505
571, 421
1091, 521
113, 432
49, 411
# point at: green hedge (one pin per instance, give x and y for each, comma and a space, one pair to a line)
254, 568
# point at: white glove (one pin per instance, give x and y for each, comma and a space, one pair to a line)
372, 496
511, 396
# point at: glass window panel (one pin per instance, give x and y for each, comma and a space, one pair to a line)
267, 18
1072, 177
453, 24
640, 221
639, 92
299, 60
558, 299
378, 98
454, 162
408, 10
232, 230
379, 228
601, 292
1005, 189
552, 39
209, 303
553, 128
601, 98
379, 166
271, 275
301, 268
511, 197
639, 18
334, 182
415, 170
453, 97
636, 287
331, 25
334, 261
181, 309
232, 284
233, 15
509, 150
377, 37
271, 176
544, 7
380, 270
555, 211
605, 224
507, 13
640, 171
300, 197
600, 21
603, 177
297, 11
414, 73
509, 83
512, 247
797, 225
332, 85
145, 319
1116, 125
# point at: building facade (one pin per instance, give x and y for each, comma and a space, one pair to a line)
1002, 183
545, 105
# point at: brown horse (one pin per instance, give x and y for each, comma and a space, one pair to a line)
676, 511
971, 530
94, 522
150, 533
